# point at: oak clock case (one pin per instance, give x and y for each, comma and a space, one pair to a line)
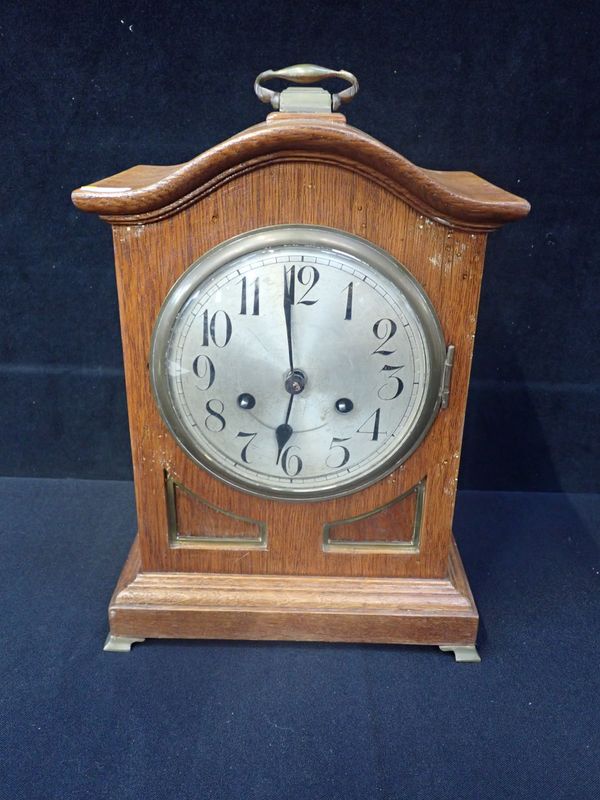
298, 306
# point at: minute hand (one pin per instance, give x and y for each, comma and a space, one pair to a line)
288, 289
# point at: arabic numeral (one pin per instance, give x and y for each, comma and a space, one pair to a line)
255, 298
308, 277
345, 454
350, 290
216, 329
204, 369
244, 453
215, 421
290, 462
384, 330
393, 383
373, 429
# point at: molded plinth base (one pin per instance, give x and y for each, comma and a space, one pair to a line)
184, 605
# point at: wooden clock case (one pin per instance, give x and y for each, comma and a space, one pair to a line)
210, 561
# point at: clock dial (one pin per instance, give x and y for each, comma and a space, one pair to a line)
297, 362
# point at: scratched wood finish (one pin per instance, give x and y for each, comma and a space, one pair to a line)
199, 606
319, 171
151, 257
145, 193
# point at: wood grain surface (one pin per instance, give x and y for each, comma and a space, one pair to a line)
200, 606
147, 193
152, 256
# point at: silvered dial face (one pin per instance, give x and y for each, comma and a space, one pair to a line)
297, 362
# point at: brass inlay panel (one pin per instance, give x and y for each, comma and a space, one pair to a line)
224, 520
407, 543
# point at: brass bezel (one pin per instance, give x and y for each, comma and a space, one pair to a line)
262, 239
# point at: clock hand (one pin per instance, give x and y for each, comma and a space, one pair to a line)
287, 309
284, 431
296, 380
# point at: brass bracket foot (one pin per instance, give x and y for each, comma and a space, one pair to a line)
120, 644
462, 652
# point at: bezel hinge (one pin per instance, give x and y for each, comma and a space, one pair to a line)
447, 377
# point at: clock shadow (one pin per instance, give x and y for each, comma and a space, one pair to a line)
518, 531
274, 648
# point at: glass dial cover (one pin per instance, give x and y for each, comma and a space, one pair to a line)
297, 362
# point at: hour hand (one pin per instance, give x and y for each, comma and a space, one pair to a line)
283, 434
284, 431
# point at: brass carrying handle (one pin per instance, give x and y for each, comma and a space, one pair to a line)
305, 73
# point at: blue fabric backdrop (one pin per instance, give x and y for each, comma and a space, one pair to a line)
507, 90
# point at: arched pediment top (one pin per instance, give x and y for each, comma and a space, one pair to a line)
147, 193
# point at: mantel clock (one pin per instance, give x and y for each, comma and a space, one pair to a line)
298, 306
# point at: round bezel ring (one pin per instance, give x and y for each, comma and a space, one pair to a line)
262, 239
